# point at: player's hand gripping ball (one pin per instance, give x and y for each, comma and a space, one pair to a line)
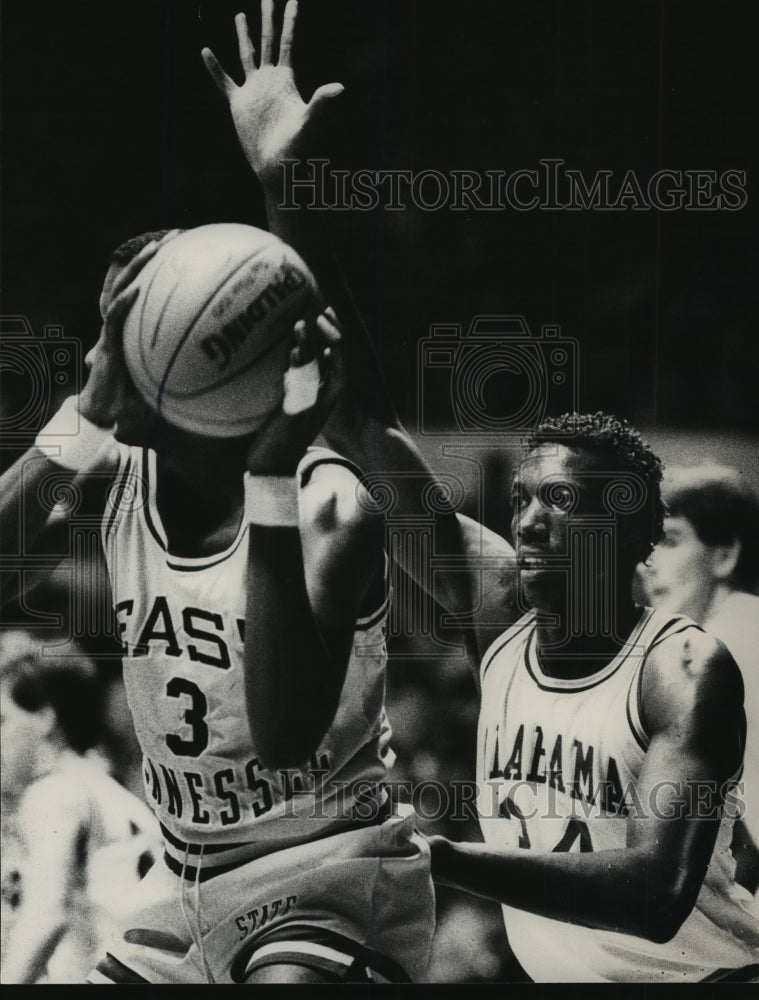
208, 338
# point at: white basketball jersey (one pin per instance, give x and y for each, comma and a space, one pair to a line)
557, 765
182, 625
118, 842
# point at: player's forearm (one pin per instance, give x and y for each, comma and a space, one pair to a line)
308, 232
631, 891
25, 500
364, 426
292, 679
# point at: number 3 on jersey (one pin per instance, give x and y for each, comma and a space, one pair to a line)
194, 717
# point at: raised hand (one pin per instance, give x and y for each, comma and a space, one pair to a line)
278, 446
270, 116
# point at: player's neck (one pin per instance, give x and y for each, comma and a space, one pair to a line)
203, 465
564, 654
200, 514
51, 753
719, 596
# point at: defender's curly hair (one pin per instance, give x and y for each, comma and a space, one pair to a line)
128, 250
618, 447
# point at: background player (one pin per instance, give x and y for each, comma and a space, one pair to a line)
636, 903
81, 841
707, 565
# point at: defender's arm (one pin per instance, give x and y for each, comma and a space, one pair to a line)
274, 124
648, 888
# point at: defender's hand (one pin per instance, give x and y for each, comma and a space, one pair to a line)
269, 114
278, 445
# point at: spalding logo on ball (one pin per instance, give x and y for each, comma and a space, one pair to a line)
208, 338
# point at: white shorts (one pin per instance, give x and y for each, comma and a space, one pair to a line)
356, 905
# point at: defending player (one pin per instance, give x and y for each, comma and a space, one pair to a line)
592, 739
82, 842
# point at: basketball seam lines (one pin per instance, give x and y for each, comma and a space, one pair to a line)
188, 331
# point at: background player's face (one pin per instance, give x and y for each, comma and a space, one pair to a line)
678, 574
552, 490
21, 735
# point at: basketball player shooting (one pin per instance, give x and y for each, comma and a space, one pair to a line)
249, 586
607, 752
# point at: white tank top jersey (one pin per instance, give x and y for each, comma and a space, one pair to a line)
118, 843
182, 625
556, 760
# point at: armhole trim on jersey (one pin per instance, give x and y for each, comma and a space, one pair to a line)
116, 494
634, 706
150, 487
367, 622
313, 458
659, 638
504, 639
323, 456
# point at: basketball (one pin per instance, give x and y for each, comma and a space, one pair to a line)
208, 338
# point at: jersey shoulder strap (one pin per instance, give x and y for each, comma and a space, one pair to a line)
661, 625
504, 639
316, 456
129, 488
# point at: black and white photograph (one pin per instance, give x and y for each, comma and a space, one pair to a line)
379, 494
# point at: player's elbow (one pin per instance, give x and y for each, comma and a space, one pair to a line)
288, 737
663, 925
667, 909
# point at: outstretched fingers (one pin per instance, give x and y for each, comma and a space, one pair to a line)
245, 45
288, 29
267, 31
322, 97
225, 83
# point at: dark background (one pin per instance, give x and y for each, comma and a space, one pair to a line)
111, 126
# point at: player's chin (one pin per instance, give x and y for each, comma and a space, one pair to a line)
541, 586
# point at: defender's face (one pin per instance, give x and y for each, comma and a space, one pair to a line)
678, 574
551, 488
